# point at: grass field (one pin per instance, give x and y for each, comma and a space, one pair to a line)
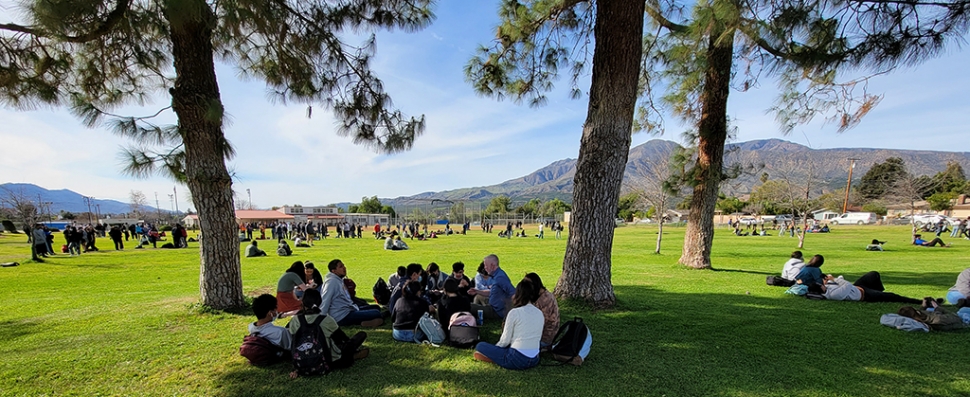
124, 323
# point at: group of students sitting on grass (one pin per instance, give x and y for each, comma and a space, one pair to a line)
529, 312
807, 279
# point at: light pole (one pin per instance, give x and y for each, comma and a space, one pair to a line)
848, 185
176, 195
88, 201
158, 211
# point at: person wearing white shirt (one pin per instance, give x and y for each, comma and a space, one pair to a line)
793, 266
518, 347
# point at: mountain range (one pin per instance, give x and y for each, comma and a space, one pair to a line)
66, 200
775, 157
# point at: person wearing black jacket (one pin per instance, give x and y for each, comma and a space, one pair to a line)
407, 311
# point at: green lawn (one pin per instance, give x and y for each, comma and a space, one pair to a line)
123, 323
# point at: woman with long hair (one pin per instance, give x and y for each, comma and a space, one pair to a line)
546, 303
293, 280
407, 311
519, 346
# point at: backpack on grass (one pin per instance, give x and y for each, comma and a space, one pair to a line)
778, 281
462, 330
572, 342
260, 351
311, 351
431, 329
382, 294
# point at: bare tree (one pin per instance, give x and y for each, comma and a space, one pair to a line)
652, 181
21, 208
137, 202
910, 189
799, 176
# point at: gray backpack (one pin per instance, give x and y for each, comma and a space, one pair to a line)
431, 329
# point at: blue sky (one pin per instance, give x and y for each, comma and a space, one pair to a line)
285, 158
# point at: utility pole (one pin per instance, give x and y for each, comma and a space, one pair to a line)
250, 194
158, 212
176, 195
88, 201
171, 202
848, 185
98, 207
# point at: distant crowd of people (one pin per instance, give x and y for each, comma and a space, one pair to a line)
80, 238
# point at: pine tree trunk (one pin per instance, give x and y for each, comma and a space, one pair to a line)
603, 153
712, 134
196, 101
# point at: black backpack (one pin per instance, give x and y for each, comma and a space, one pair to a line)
572, 342
259, 351
311, 351
778, 281
382, 294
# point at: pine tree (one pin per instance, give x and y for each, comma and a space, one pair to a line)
534, 40
95, 55
806, 44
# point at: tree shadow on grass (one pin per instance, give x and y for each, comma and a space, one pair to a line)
657, 342
11, 330
745, 271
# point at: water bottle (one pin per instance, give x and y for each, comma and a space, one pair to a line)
481, 318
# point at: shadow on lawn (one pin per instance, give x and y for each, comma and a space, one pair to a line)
16, 329
660, 343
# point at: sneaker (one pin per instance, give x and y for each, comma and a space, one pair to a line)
481, 357
377, 322
361, 353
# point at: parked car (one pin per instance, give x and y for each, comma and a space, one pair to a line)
932, 219
855, 218
749, 220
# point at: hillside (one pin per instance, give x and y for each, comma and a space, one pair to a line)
66, 200
775, 157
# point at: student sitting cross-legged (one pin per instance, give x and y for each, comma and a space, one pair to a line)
519, 346
407, 311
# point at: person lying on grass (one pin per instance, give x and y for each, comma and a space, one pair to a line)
934, 316
518, 347
343, 350
867, 288
918, 240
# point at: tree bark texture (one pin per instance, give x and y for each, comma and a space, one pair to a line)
196, 101
712, 134
660, 235
604, 148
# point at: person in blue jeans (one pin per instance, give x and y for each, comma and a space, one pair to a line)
518, 347
961, 290
336, 300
